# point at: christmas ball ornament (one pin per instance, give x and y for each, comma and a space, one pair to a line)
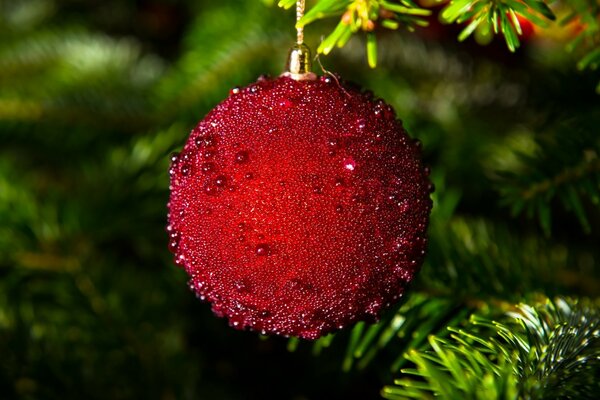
299, 205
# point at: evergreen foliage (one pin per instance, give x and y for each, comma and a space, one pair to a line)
94, 96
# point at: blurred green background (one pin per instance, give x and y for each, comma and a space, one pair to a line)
94, 95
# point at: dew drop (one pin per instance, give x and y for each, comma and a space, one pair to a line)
349, 164
361, 124
180, 260
210, 141
339, 209
241, 157
174, 157
263, 77
208, 189
249, 175
285, 103
242, 287
262, 249
173, 244
317, 190
326, 79
199, 141
206, 141
234, 90
207, 167
253, 89
339, 183
208, 154
220, 181
185, 169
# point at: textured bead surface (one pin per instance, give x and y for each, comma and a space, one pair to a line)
299, 207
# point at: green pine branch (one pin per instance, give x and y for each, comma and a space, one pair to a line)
565, 166
586, 43
549, 349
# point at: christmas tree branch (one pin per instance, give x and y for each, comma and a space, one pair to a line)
547, 349
550, 173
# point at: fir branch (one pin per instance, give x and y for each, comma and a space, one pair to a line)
552, 172
496, 16
586, 14
547, 350
362, 16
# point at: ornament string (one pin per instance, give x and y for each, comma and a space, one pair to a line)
300, 4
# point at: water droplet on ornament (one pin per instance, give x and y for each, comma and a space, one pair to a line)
234, 90
326, 79
262, 249
431, 187
317, 190
339, 183
185, 169
174, 157
207, 167
207, 141
242, 287
285, 103
241, 157
208, 189
339, 209
361, 124
253, 89
249, 175
208, 154
220, 181
349, 164
173, 244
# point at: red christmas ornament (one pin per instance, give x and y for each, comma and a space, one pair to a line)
299, 205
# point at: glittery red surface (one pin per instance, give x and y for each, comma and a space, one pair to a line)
298, 208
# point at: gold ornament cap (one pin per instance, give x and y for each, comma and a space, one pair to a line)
299, 63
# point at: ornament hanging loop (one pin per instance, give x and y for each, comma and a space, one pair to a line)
299, 59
